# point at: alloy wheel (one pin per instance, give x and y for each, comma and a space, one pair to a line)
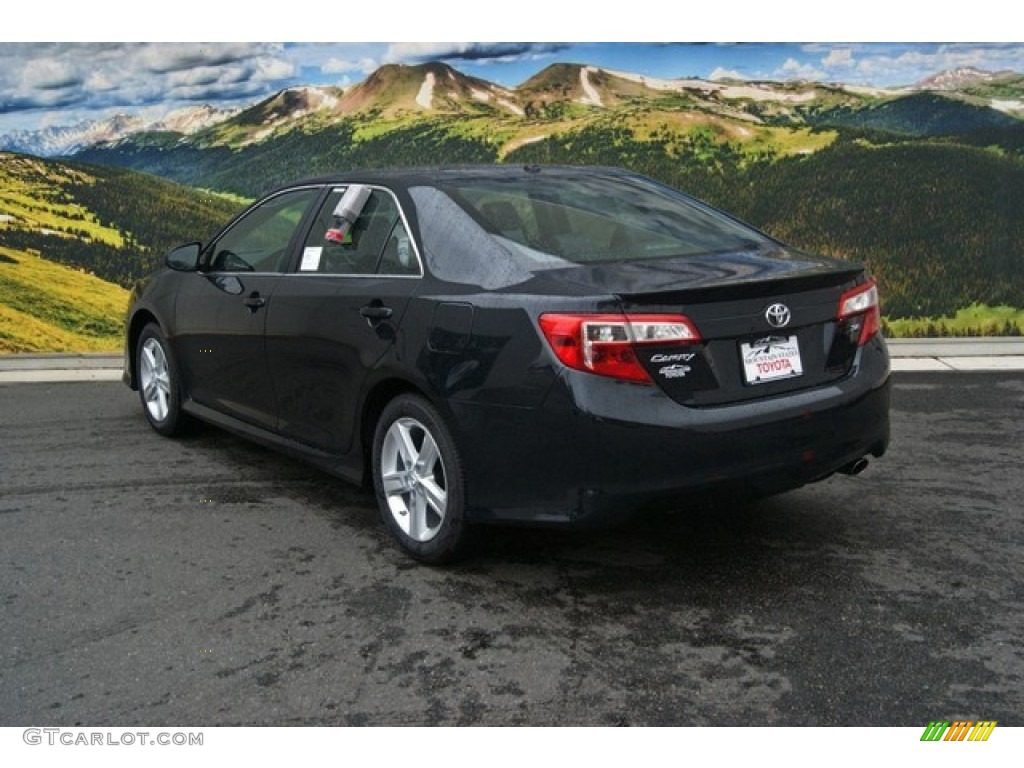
413, 479
155, 379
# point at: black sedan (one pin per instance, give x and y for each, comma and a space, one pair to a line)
503, 344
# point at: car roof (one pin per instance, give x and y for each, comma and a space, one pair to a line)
411, 177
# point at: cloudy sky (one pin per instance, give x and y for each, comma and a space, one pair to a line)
45, 84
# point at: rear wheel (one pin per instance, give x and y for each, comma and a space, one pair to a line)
417, 476
159, 386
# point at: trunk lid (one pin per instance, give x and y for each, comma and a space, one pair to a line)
741, 355
700, 277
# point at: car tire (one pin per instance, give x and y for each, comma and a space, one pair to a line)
419, 482
159, 382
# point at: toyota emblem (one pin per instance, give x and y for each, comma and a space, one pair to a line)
777, 315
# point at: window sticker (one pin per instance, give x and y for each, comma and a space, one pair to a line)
311, 259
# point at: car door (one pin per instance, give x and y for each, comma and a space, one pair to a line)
221, 310
336, 313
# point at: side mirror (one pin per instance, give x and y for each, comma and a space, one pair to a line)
184, 258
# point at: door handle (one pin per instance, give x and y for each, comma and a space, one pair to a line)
375, 312
255, 301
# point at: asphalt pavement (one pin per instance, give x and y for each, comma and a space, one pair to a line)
207, 581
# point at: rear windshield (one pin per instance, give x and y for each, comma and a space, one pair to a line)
555, 220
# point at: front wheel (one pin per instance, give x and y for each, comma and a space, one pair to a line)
418, 479
159, 387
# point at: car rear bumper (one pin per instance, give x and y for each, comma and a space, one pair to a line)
600, 450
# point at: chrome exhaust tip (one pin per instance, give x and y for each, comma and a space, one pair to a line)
855, 467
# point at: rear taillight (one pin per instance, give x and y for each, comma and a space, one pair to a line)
605, 344
859, 313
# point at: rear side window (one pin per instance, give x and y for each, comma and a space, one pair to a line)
399, 257
374, 243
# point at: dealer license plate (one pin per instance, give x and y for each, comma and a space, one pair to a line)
770, 359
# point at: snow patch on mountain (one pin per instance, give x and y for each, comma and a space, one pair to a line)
425, 97
1007, 106
515, 108
870, 90
955, 79
590, 94
189, 120
68, 139
661, 84
676, 85
319, 98
761, 93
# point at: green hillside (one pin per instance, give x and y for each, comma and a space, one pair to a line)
47, 307
940, 225
112, 222
257, 168
73, 237
1006, 86
921, 114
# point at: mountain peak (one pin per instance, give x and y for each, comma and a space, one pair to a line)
67, 139
288, 105
587, 85
429, 87
189, 120
557, 75
955, 79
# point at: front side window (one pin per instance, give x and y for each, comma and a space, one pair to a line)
358, 234
259, 241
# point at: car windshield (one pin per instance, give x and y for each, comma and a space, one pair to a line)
557, 220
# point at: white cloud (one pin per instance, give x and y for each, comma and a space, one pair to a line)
90, 77
720, 73
399, 52
270, 69
196, 76
49, 74
100, 81
172, 57
838, 57
336, 66
794, 70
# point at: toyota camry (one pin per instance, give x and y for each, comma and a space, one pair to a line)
535, 345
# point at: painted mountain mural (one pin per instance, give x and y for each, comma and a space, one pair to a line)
924, 183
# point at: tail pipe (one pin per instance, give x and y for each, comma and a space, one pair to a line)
855, 467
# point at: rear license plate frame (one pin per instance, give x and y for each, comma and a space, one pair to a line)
771, 359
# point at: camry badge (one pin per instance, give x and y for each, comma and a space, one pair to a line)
777, 315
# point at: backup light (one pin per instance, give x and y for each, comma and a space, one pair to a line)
860, 313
